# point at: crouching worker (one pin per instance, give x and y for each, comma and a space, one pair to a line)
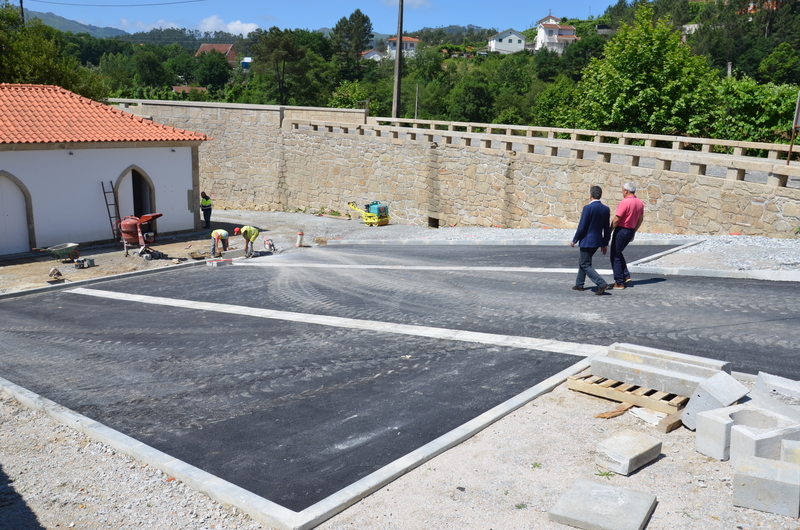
219, 236
249, 234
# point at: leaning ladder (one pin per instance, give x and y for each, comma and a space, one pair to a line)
112, 208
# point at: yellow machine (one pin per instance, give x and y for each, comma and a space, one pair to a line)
373, 214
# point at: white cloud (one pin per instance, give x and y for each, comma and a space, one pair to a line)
214, 23
413, 4
138, 25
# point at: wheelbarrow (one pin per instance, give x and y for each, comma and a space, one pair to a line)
64, 251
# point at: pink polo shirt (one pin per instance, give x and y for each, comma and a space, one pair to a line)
629, 210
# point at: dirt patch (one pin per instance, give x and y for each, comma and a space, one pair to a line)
30, 273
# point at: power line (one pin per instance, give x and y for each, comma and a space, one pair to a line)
118, 5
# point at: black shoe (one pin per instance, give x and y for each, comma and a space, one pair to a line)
576, 288
601, 290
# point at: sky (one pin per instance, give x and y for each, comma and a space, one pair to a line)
243, 16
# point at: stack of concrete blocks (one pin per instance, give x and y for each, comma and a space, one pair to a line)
762, 439
716, 392
661, 370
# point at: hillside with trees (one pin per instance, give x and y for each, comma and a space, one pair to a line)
664, 69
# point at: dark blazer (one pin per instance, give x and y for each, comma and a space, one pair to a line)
594, 228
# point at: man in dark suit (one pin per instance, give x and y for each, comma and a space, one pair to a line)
593, 233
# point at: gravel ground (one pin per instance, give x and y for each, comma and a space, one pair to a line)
508, 476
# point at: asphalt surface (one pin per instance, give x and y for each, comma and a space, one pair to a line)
294, 411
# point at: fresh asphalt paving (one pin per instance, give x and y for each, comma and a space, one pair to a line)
294, 411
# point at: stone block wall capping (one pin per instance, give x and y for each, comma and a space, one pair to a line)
716, 392
790, 451
743, 430
594, 506
776, 385
767, 485
627, 451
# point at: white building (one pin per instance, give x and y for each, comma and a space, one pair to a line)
373, 55
56, 148
552, 35
505, 42
409, 47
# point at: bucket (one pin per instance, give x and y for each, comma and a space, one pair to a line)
90, 262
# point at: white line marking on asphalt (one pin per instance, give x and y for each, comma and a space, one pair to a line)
252, 263
511, 341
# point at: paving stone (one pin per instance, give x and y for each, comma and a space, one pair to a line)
627, 451
644, 375
719, 391
593, 506
767, 485
790, 451
229, 254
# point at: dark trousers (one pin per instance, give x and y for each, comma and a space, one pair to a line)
207, 217
620, 240
586, 268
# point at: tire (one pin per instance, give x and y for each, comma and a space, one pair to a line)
74, 255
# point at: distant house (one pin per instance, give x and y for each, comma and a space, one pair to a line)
505, 42
56, 147
374, 55
409, 47
225, 49
552, 35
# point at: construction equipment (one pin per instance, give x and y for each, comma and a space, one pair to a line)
133, 234
64, 251
373, 214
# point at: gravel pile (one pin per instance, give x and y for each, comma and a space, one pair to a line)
508, 476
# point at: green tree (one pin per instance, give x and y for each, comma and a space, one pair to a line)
781, 66
150, 71
347, 95
648, 82
350, 37
278, 57
470, 100
547, 64
213, 70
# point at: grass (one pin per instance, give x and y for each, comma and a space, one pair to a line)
536, 465
607, 474
520, 506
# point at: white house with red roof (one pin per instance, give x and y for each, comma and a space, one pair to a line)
505, 42
225, 49
56, 148
554, 36
409, 47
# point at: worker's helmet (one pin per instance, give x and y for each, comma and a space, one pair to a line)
237, 230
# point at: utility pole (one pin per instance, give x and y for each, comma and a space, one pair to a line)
22, 11
398, 63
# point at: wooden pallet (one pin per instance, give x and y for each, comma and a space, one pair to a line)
627, 393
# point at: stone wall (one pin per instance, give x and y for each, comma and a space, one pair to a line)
262, 160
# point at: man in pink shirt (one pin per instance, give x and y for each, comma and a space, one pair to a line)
627, 220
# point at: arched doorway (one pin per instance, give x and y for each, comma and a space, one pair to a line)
136, 194
14, 234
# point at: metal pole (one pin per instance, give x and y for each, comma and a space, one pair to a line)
416, 102
795, 125
22, 11
398, 63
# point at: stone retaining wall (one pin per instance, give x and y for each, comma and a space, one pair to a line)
262, 160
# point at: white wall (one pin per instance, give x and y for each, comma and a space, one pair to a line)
68, 202
13, 220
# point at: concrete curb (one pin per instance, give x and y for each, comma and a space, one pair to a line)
773, 276
501, 242
260, 509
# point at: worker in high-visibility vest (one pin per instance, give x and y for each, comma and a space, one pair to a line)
250, 234
218, 236
205, 207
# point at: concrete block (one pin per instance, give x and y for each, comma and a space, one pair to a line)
778, 386
627, 451
767, 485
621, 350
230, 254
743, 430
790, 451
647, 376
593, 506
767, 401
716, 392
219, 262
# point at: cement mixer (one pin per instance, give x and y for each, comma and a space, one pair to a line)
136, 232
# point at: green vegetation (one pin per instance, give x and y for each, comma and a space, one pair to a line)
607, 474
643, 78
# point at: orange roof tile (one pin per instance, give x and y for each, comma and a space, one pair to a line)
31, 114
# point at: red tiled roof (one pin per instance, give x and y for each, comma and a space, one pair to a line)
224, 49
405, 39
32, 114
